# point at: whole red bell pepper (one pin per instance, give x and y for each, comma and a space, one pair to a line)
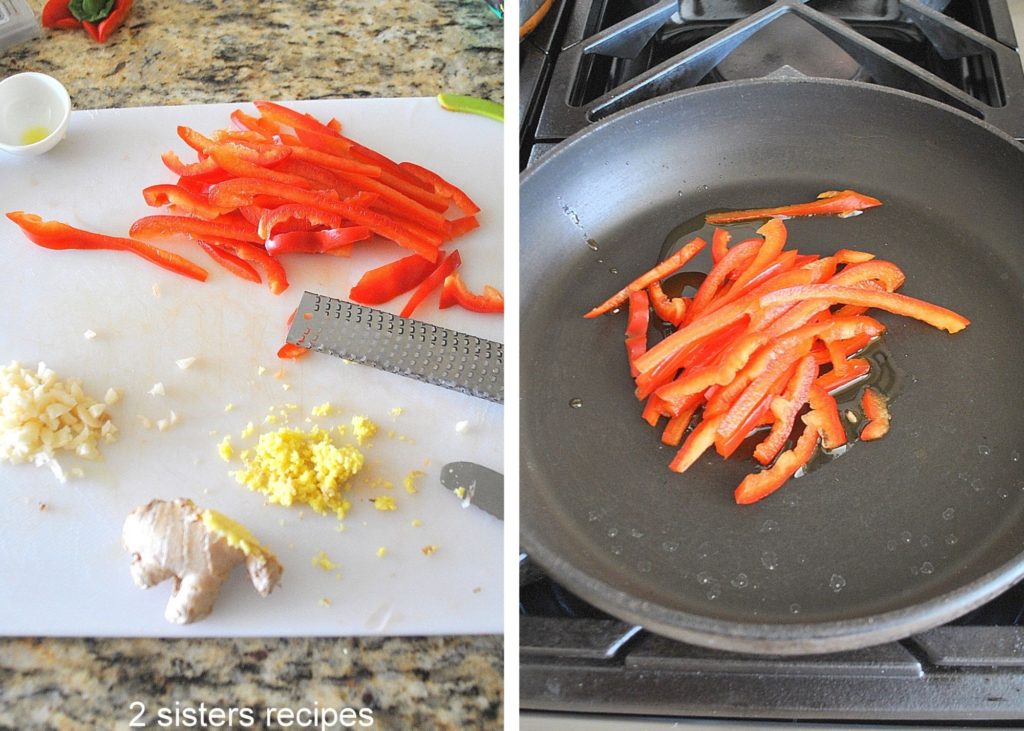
386, 282
56, 235
829, 203
448, 265
455, 292
56, 14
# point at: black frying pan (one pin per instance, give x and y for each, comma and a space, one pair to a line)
891, 538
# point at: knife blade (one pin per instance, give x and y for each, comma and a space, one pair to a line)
476, 485
419, 350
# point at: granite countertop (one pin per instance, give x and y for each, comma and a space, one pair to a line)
200, 51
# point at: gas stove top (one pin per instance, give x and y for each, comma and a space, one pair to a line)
592, 58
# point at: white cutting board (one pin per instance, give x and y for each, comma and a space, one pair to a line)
63, 571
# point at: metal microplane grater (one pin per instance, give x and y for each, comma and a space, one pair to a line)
429, 353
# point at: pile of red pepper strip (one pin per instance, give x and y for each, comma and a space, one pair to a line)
260, 191
763, 344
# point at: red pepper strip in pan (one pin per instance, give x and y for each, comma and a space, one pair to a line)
664, 269
271, 219
325, 241
774, 233
887, 274
229, 160
184, 199
448, 265
670, 310
719, 319
897, 304
758, 416
785, 409
230, 262
762, 484
677, 424
291, 118
828, 203
58, 236
856, 368
736, 258
442, 187
851, 256
277, 279
241, 191
636, 327
386, 282
188, 170
824, 417
702, 437
57, 15
652, 412
720, 244
876, 409
454, 292
108, 25
161, 227
765, 367
719, 373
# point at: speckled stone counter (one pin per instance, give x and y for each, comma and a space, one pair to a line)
199, 51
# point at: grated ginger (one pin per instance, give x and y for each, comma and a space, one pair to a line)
293, 466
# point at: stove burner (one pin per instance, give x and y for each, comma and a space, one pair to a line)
789, 46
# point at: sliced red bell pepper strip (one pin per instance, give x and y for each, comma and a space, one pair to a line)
242, 191
317, 242
162, 227
719, 373
112, 22
386, 282
876, 409
851, 256
890, 276
856, 369
448, 265
261, 126
228, 159
737, 258
762, 484
281, 114
700, 439
662, 270
184, 199
340, 145
653, 411
334, 162
442, 187
671, 310
678, 424
829, 203
58, 236
270, 220
196, 140
824, 417
719, 319
636, 327
455, 292
774, 233
230, 262
188, 170
277, 279
460, 226
720, 244
785, 409
897, 304
57, 15
407, 206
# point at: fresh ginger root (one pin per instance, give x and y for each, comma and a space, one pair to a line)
198, 550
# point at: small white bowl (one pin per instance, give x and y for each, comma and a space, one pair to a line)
29, 102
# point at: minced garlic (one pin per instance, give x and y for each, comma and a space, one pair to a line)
41, 415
